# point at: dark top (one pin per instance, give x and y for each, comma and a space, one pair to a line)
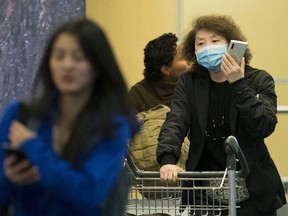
145, 95
218, 128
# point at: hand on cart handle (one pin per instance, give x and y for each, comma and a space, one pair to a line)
169, 173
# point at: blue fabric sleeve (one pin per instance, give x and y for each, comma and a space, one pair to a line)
8, 115
89, 187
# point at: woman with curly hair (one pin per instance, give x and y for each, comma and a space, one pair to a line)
216, 99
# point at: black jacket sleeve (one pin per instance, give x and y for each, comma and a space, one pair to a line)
256, 101
176, 125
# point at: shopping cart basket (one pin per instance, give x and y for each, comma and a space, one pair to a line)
149, 196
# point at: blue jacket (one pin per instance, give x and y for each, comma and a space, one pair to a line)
61, 189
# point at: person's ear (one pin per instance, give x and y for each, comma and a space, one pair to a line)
165, 70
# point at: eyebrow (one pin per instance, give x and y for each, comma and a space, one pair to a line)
198, 39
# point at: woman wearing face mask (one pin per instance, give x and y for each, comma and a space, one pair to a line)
218, 98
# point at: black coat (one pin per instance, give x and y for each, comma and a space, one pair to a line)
252, 117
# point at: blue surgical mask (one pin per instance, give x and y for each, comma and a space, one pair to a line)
210, 56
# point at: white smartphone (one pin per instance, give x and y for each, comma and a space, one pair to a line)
237, 49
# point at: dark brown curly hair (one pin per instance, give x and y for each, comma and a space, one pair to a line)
158, 52
221, 25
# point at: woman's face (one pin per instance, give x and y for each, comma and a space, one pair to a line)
70, 69
205, 38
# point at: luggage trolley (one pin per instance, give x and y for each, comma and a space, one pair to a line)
149, 196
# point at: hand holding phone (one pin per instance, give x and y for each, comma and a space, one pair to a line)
237, 50
19, 171
20, 156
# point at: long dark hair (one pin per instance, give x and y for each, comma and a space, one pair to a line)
109, 96
221, 25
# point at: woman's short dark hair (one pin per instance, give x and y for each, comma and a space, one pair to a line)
159, 52
221, 25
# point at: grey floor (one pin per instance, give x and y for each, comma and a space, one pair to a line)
283, 211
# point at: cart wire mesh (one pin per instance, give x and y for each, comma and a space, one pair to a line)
194, 193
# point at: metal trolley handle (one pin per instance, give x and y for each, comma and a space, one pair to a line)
232, 148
